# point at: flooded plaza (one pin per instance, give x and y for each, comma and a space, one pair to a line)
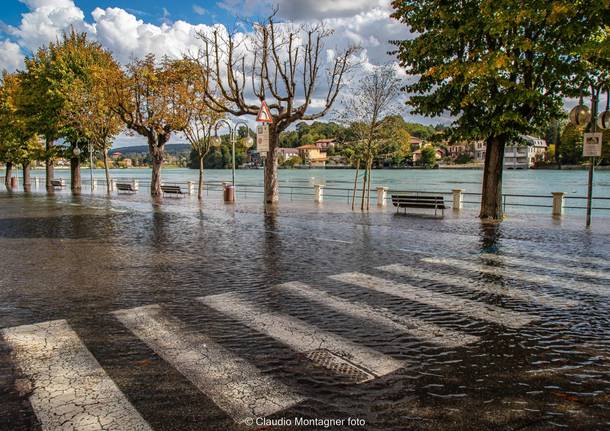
123, 314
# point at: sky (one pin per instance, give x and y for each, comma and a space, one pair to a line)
135, 28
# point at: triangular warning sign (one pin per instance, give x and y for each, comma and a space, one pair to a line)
264, 115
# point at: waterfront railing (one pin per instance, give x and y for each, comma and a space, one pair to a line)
295, 192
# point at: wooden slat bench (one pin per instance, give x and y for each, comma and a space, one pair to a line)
125, 187
172, 190
57, 184
405, 201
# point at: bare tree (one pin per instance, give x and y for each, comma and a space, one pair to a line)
278, 63
200, 119
365, 108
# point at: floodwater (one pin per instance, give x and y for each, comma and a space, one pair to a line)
439, 324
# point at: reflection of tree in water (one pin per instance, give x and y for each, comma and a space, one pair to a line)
272, 246
491, 234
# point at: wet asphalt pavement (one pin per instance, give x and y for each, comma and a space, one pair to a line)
496, 327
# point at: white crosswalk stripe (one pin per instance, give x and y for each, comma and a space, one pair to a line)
480, 286
236, 386
521, 275
416, 327
547, 265
299, 335
71, 391
457, 304
571, 260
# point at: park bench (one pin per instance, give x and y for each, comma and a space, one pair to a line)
172, 190
57, 184
405, 201
125, 187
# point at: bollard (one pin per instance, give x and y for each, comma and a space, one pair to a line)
94, 184
36, 180
191, 187
112, 185
13, 182
134, 184
458, 199
381, 196
318, 193
558, 198
228, 193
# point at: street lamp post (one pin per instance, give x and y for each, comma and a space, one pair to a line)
581, 116
233, 128
91, 165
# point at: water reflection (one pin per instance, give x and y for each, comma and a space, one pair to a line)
490, 235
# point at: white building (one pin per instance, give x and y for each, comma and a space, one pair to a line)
524, 155
521, 155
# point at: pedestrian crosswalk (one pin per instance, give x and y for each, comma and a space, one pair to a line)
301, 336
480, 286
416, 327
72, 391
578, 286
478, 310
236, 386
515, 261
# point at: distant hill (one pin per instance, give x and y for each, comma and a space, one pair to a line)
172, 149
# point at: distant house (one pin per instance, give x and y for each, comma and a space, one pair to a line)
524, 155
417, 154
117, 155
480, 148
324, 144
312, 155
126, 163
415, 143
459, 149
284, 154
520, 155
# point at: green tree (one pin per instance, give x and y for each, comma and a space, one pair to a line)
499, 67
18, 142
48, 87
570, 148
428, 156
147, 99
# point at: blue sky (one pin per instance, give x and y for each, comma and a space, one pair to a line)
205, 12
136, 28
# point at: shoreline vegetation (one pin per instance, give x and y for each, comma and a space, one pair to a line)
392, 168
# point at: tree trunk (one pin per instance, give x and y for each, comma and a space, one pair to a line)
557, 144
364, 178
491, 199
368, 191
75, 180
200, 188
8, 175
27, 184
49, 171
355, 184
106, 170
272, 195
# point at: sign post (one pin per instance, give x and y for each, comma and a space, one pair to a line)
592, 148
262, 139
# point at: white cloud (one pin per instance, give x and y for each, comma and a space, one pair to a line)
323, 9
11, 57
199, 10
46, 21
362, 22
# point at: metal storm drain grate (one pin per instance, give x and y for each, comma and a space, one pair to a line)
339, 365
